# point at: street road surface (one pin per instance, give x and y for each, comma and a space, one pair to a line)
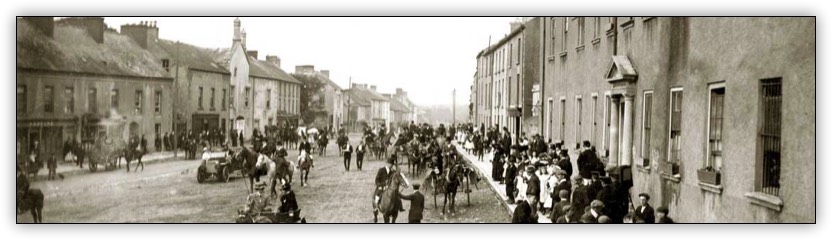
168, 193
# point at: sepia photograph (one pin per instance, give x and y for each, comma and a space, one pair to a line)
526, 120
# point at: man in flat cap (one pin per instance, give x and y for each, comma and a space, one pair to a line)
580, 198
612, 203
257, 201
569, 211
594, 212
532, 189
558, 208
644, 213
662, 215
511, 178
417, 204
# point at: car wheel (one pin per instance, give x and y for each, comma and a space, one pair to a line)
200, 176
225, 175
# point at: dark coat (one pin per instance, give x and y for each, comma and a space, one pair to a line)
557, 210
586, 164
593, 189
533, 187
612, 203
565, 185
580, 200
288, 202
665, 219
348, 151
417, 205
523, 213
566, 165
647, 217
588, 218
381, 177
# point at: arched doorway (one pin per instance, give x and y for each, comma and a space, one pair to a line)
134, 129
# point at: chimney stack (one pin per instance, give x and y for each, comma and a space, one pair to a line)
93, 25
325, 73
243, 39
236, 38
252, 53
273, 59
44, 24
305, 69
144, 33
514, 25
373, 87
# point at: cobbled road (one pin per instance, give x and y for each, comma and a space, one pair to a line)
169, 193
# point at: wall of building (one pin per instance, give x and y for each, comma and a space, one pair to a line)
692, 53
188, 100
238, 66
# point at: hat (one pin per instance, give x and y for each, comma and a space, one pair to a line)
563, 193
577, 178
560, 172
645, 195
390, 160
530, 169
662, 209
610, 168
259, 186
596, 204
205, 149
596, 174
416, 186
287, 187
604, 219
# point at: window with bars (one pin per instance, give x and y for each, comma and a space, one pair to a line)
213, 97
199, 99
157, 102
647, 121
715, 116
770, 144
139, 101
21, 99
675, 125
48, 99
69, 100
92, 100
222, 102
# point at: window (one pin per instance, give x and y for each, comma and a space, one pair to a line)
48, 99
510, 55
158, 130
21, 99
213, 96
770, 144
235, 71
231, 97
92, 100
675, 125
715, 110
646, 124
597, 31
157, 102
551, 118
578, 112
519, 49
562, 119
166, 64
269, 100
114, 99
581, 30
222, 103
139, 101
552, 48
247, 95
69, 100
199, 98
606, 133
594, 119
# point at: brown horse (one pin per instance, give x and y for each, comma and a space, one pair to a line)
31, 201
390, 202
248, 159
304, 165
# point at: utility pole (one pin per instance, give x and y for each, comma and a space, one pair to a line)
174, 114
349, 102
453, 106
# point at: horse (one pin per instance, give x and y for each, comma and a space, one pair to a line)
33, 165
249, 160
32, 201
450, 184
304, 165
277, 169
322, 142
134, 154
390, 202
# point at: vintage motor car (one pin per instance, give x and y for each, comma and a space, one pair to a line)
215, 166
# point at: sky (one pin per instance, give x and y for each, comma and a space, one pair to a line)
427, 57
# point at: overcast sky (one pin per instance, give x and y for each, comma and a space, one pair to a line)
427, 57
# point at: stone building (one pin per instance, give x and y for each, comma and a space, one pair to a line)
673, 96
332, 96
74, 74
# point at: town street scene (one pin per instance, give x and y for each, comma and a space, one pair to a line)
415, 120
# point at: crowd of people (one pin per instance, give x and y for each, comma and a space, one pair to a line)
539, 177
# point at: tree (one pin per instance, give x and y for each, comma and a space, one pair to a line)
311, 97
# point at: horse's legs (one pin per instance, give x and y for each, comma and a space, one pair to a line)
375, 215
40, 214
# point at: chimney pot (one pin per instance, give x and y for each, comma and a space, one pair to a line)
252, 53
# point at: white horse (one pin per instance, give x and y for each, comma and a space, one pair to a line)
280, 169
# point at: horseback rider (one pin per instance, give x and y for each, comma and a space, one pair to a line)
288, 203
22, 182
382, 179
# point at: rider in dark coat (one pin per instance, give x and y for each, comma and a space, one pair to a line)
287, 200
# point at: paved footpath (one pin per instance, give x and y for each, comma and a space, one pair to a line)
484, 167
71, 168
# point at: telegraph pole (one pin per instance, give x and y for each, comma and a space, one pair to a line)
349, 102
453, 105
